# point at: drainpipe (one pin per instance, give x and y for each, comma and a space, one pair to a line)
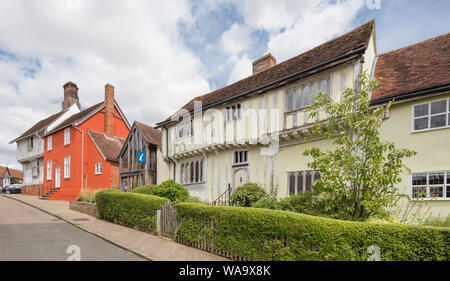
82, 154
167, 153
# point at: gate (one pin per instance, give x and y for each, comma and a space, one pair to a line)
168, 221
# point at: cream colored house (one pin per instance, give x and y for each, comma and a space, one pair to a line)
254, 130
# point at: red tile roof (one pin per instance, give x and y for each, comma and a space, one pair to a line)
108, 147
150, 134
342, 45
40, 126
415, 68
13, 172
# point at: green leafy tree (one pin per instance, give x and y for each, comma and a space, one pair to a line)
247, 195
360, 175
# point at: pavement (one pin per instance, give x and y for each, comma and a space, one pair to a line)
143, 244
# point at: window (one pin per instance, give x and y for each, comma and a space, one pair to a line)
303, 96
233, 112
98, 168
35, 169
49, 143
67, 136
49, 170
433, 185
191, 172
431, 115
302, 181
30, 143
185, 129
240, 157
67, 167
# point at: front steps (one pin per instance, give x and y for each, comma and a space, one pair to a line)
50, 193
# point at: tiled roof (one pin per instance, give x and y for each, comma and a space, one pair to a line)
342, 45
40, 126
108, 147
13, 172
77, 117
150, 134
415, 68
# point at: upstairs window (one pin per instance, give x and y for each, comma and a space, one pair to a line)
240, 157
303, 96
49, 143
432, 115
234, 112
30, 143
67, 136
185, 129
98, 168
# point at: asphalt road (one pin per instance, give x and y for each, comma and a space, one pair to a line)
27, 234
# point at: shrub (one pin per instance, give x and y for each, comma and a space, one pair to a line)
299, 203
171, 190
247, 195
439, 221
145, 189
130, 209
260, 234
88, 195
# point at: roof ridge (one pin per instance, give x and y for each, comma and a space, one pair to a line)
415, 44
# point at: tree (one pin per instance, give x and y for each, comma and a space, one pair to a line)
359, 178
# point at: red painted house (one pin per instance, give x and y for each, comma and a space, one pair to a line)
81, 152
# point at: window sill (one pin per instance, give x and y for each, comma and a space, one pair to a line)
239, 165
428, 130
430, 199
98, 174
191, 184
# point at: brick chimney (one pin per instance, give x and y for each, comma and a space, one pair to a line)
264, 63
109, 110
70, 95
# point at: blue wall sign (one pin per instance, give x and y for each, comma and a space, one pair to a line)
141, 157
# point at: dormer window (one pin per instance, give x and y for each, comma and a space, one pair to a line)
234, 112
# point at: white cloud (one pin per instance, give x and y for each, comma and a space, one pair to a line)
235, 40
241, 69
134, 46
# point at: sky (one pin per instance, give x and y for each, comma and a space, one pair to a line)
160, 54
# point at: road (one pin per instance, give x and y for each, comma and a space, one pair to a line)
27, 234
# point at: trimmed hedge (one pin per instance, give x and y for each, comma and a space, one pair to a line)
145, 189
130, 209
261, 234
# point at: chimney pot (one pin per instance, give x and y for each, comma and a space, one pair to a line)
264, 63
70, 95
109, 110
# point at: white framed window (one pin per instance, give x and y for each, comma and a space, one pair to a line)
233, 112
98, 168
30, 143
302, 96
49, 143
185, 129
240, 157
67, 167
192, 172
431, 185
431, 115
49, 170
35, 169
67, 136
302, 181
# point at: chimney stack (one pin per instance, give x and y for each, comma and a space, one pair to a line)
109, 110
264, 63
70, 95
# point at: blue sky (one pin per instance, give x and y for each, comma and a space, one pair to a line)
160, 54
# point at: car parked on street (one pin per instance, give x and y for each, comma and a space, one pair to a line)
12, 189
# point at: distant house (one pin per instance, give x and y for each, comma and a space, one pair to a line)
141, 161
30, 144
9, 176
81, 152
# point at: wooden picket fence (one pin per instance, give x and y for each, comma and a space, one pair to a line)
167, 225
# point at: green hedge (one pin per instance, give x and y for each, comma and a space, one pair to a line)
145, 189
130, 209
261, 234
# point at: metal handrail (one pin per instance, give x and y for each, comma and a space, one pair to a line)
224, 198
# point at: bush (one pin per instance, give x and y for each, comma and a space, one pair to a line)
299, 203
260, 234
171, 190
87, 196
247, 195
444, 222
145, 189
130, 209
